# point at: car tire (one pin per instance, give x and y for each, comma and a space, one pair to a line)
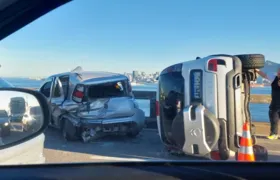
66, 128
133, 133
252, 61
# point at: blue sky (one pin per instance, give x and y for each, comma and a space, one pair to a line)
144, 35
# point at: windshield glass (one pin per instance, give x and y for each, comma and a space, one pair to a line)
150, 80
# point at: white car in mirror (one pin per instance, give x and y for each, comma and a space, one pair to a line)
22, 139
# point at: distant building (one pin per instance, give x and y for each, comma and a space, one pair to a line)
135, 75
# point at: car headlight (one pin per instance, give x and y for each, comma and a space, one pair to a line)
6, 124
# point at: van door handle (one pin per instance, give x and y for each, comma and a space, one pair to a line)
237, 81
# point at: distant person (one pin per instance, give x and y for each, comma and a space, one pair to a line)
274, 108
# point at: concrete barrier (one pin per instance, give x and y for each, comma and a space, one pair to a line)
150, 97
143, 94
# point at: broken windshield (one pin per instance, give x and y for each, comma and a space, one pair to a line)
112, 89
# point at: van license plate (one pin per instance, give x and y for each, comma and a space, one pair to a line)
196, 85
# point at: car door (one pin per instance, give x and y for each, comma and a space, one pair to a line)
59, 94
53, 91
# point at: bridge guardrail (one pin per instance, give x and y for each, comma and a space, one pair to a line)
143, 94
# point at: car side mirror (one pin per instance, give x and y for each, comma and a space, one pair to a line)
15, 99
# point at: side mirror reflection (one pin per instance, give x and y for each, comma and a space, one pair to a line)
21, 115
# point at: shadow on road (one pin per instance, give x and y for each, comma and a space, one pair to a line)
146, 146
273, 158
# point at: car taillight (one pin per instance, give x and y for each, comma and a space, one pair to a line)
78, 93
215, 155
157, 108
213, 65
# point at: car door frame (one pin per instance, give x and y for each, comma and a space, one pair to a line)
54, 102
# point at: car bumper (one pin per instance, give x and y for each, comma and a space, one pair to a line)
115, 124
5, 130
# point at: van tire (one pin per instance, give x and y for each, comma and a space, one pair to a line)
66, 126
252, 61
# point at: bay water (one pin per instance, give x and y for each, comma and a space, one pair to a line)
259, 112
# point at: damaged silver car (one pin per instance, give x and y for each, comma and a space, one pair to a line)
88, 105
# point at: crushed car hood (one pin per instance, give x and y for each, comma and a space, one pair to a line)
15, 14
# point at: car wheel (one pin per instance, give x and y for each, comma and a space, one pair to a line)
252, 61
133, 133
133, 130
68, 131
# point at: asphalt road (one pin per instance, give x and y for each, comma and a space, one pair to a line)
147, 146
114, 148
16, 134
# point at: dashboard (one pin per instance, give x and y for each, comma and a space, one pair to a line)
144, 170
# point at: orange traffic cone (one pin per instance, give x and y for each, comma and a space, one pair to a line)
246, 152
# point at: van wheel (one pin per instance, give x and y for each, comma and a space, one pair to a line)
252, 61
68, 131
